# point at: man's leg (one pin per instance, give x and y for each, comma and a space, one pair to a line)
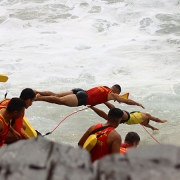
152, 127
49, 93
69, 100
73, 91
145, 117
152, 118
61, 94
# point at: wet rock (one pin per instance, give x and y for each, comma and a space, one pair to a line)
155, 162
42, 159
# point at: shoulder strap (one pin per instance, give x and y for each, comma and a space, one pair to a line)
99, 129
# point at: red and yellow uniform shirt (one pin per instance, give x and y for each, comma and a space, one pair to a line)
4, 103
101, 148
18, 122
97, 95
124, 147
5, 130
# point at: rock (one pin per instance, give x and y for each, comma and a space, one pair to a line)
41, 159
155, 162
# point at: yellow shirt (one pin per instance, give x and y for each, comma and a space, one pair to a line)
135, 118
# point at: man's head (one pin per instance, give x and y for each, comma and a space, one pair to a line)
116, 89
28, 95
16, 107
114, 116
132, 138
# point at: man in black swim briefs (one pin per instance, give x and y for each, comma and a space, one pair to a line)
81, 96
78, 97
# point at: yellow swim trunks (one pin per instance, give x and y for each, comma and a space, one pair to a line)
135, 118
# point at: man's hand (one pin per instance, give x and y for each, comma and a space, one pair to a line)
18, 136
35, 91
163, 121
37, 97
15, 133
141, 106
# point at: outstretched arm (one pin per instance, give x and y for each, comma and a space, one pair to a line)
109, 105
154, 118
149, 126
99, 112
118, 98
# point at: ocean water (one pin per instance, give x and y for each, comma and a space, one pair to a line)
60, 45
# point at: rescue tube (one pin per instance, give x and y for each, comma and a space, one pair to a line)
29, 128
90, 142
125, 96
3, 78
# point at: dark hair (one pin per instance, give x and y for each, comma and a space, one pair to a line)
132, 137
27, 93
117, 87
15, 104
114, 114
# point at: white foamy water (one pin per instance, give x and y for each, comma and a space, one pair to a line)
60, 45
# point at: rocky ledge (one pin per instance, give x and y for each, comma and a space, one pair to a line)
41, 159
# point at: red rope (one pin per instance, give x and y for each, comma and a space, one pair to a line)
146, 130
87, 108
67, 117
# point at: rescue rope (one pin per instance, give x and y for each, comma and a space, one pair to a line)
64, 120
146, 130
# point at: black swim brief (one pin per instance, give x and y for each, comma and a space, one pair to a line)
81, 96
134, 112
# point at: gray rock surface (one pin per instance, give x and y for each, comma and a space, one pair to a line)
42, 159
155, 162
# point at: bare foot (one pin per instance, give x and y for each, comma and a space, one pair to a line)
37, 97
36, 92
